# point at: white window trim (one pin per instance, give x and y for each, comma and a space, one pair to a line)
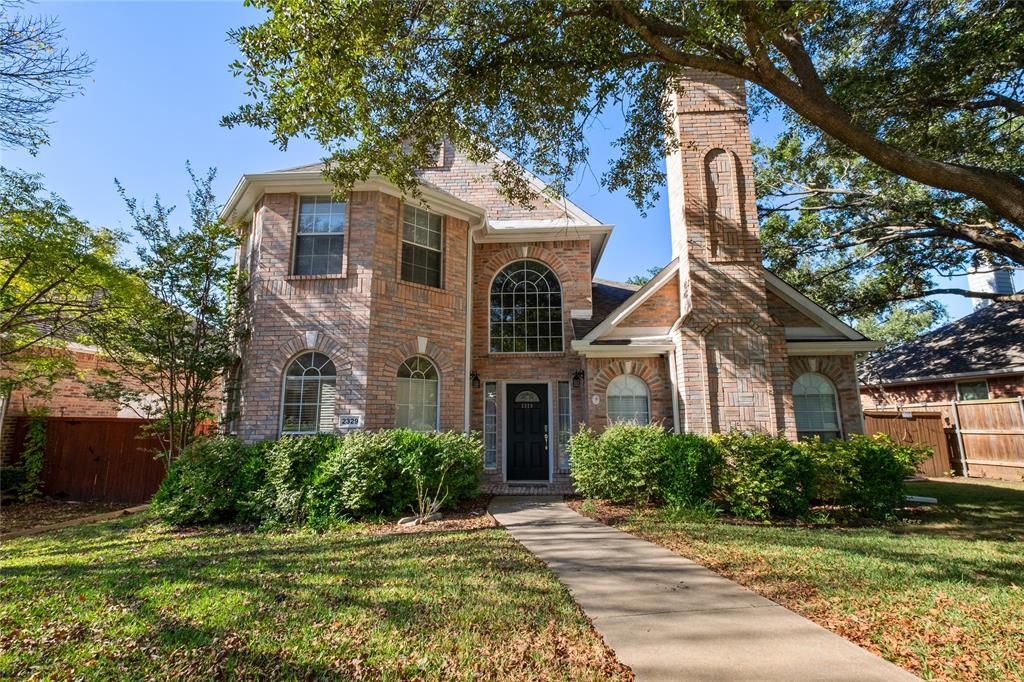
403, 241
561, 289
835, 402
497, 409
437, 398
988, 393
607, 400
344, 233
284, 381
558, 414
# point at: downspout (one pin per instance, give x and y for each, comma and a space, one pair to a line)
468, 362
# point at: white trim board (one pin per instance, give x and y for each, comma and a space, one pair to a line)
627, 307
809, 307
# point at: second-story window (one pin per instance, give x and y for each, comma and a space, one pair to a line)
320, 237
421, 247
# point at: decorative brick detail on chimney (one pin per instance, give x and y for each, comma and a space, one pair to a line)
731, 354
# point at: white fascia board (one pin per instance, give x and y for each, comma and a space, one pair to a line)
636, 350
1015, 369
253, 185
633, 302
831, 347
512, 231
809, 307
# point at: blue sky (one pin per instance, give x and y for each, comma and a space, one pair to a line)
154, 101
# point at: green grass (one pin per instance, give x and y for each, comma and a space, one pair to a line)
940, 593
132, 599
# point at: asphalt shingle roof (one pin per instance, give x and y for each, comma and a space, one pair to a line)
987, 340
607, 296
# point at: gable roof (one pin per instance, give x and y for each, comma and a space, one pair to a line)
606, 296
623, 305
988, 341
809, 308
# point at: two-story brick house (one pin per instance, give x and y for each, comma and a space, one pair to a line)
459, 310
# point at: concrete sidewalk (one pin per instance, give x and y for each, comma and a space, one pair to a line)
671, 619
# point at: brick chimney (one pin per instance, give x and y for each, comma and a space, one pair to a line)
733, 362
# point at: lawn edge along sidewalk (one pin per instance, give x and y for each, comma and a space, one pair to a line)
669, 618
36, 530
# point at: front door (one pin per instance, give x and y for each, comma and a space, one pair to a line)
527, 432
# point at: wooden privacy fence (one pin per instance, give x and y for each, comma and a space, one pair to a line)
97, 459
917, 427
984, 438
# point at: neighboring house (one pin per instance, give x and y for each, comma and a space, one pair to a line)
978, 357
461, 311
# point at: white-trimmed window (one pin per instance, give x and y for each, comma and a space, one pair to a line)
421, 246
418, 395
629, 400
817, 407
490, 425
564, 424
319, 236
309, 393
972, 390
526, 309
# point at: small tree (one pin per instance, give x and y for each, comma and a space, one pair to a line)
54, 272
172, 336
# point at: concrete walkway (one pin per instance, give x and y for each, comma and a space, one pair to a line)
671, 619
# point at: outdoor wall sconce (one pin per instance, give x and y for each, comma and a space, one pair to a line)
577, 378
475, 378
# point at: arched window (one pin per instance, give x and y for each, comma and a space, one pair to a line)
628, 400
417, 395
816, 407
308, 405
526, 309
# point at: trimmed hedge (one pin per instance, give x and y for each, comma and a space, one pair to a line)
753, 476
317, 480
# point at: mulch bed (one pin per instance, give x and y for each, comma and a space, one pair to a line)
468, 514
44, 512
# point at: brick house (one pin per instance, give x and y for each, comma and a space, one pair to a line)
461, 311
978, 357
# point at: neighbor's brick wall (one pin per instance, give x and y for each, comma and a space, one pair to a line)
842, 372
69, 398
999, 386
730, 353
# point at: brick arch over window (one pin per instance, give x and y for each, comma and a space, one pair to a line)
537, 253
436, 354
299, 344
841, 371
653, 371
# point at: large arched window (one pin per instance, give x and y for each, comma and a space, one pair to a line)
308, 405
417, 395
526, 309
816, 407
628, 400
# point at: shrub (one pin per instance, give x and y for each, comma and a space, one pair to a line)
624, 464
693, 468
766, 476
11, 478
206, 482
866, 473
376, 473
291, 463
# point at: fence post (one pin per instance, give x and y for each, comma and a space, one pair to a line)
960, 438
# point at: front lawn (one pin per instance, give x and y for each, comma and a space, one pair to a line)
940, 593
132, 599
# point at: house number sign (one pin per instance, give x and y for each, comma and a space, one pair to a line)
350, 421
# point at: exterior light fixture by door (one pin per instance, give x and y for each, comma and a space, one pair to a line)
475, 378
577, 378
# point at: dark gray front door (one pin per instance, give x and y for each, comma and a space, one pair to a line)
527, 431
